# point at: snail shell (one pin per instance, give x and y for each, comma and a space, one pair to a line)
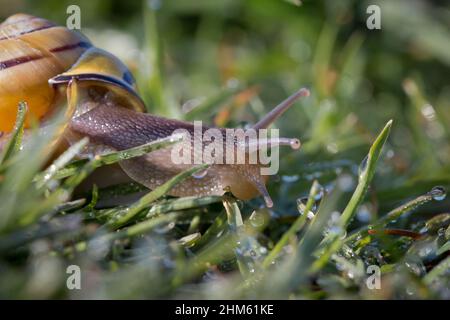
34, 51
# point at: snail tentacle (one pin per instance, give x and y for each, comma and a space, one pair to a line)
276, 112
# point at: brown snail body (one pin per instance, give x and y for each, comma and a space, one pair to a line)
41, 62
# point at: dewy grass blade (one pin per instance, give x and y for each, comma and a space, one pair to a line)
311, 240
61, 225
114, 157
441, 270
182, 204
15, 140
214, 231
365, 176
334, 242
59, 163
132, 231
393, 215
17, 198
124, 216
142, 227
295, 227
235, 224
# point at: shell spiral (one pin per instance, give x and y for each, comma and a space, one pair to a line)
33, 50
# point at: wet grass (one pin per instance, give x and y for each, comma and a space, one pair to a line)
363, 191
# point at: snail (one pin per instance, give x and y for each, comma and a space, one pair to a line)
50, 66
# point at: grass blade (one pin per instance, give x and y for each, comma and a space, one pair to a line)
334, 242
114, 157
295, 227
15, 140
365, 176
126, 215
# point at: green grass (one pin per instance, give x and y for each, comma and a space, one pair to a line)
363, 190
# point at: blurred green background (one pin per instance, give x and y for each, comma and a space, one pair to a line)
230, 61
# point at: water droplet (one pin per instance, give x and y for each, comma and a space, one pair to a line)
390, 154
301, 207
257, 219
200, 174
410, 290
416, 266
438, 193
346, 182
165, 229
363, 214
124, 155
290, 179
319, 194
362, 167
334, 224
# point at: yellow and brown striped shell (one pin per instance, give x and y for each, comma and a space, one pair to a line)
36, 56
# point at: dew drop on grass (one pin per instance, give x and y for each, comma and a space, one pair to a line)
200, 174
425, 251
290, 179
438, 193
362, 167
301, 203
390, 154
165, 229
333, 226
320, 193
410, 290
363, 214
346, 182
416, 266
301, 206
124, 155
257, 219
340, 266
